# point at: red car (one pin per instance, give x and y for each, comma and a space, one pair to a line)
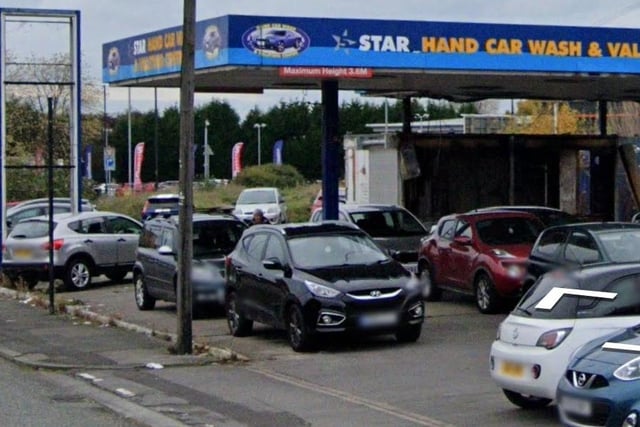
482, 254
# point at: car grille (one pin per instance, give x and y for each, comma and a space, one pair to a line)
585, 380
375, 299
599, 415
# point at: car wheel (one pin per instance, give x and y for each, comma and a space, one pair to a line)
297, 332
280, 47
430, 291
487, 299
298, 44
409, 333
239, 326
78, 274
526, 401
116, 275
144, 301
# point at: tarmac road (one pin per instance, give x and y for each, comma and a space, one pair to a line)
441, 380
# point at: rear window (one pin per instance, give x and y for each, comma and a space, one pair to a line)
162, 203
31, 229
391, 223
625, 303
211, 238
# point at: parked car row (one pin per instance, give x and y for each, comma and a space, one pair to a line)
572, 336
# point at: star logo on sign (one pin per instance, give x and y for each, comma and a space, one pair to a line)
343, 41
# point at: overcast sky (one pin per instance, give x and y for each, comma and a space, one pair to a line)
107, 20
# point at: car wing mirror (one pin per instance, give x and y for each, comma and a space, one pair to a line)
165, 250
462, 240
394, 254
272, 264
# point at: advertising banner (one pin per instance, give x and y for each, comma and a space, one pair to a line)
138, 157
110, 158
277, 152
88, 150
87, 161
355, 48
236, 158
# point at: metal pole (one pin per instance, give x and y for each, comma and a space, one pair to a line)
52, 306
155, 133
206, 151
106, 143
106, 134
184, 343
259, 149
129, 142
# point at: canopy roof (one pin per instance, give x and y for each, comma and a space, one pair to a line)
455, 61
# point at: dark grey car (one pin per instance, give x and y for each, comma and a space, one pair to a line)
156, 267
392, 227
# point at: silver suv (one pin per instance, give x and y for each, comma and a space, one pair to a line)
156, 267
84, 245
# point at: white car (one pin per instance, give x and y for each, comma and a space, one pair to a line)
267, 199
561, 312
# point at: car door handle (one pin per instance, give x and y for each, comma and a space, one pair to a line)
122, 240
88, 241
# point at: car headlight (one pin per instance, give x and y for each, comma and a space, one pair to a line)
631, 420
552, 339
499, 331
272, 210
501, 253
515, 271
629, 371
320, 290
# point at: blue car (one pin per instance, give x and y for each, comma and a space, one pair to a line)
601, 386
279, 40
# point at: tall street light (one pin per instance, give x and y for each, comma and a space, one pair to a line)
259, 126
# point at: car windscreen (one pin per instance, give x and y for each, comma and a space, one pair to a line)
508, 231
215, 238
334, 250
31, 229
256, 197
391, 223
621, 245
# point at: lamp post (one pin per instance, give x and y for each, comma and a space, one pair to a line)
259, 126
206, 150
421, 118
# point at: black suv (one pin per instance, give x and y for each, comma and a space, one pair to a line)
155, 270
319, 278
577, 245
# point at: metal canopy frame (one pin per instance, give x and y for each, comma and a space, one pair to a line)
44, 17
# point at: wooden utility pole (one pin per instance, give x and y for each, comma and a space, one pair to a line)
184, 344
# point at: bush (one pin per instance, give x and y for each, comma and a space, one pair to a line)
270, 175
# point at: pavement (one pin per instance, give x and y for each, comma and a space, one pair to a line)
76, 337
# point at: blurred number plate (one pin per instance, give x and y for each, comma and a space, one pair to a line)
511, 369
576, 406
378, 319
22, 253
411, 267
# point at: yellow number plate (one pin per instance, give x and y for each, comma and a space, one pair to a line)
511, 369
22, 253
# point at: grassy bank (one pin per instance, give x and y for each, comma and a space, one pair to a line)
298, 200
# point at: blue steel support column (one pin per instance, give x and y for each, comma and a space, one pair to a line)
330, 147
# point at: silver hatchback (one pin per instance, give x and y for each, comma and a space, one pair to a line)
84, 245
